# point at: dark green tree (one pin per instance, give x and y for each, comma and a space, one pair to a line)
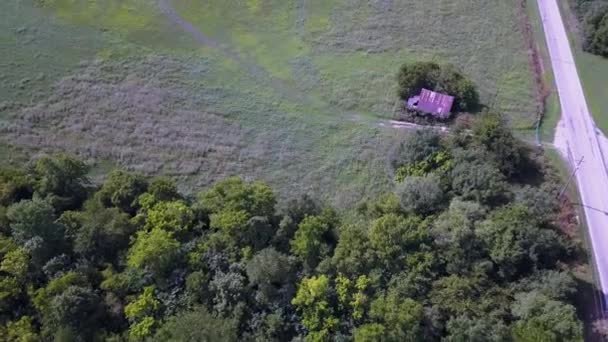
121, 190
62, 179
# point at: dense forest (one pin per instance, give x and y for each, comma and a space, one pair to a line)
467, 248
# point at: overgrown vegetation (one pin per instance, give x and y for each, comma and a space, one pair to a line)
466, 249
594, 16
441, 78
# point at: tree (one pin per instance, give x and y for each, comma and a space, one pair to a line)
413, 77
97, 232
15, 185
370, 332
312, 241
122, 189
353, 255
550, 283
197, 325
141, 313
312, 301
174, 216
455, 295
155, 250
475, 178
61, 179
77, 308
544, 319
455, 237
421, 195
33, 225
477, 329
163, 189
269, 271
491, 131
401, 317
515, 242
233, 194
21, 330
392, 237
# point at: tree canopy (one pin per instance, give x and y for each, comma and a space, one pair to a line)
457, 252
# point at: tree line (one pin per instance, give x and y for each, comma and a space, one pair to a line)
593, 14
466, 248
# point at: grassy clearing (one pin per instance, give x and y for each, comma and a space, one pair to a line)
290, 92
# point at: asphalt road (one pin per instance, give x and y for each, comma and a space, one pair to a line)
578, 137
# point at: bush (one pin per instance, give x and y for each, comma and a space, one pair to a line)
441, 78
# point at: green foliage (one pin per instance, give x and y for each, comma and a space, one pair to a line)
233, 194
34, 218
43, 297
174, 216
516, 243
312, 301
543, 319
32, 223
403, 268
421, 195
417, 147
442, 78
393, 237
122, 190
370, 332
476, 179
21, 330
140, 313
311, 242
595, 18
154, 250
98, 232
15, 185
197, 325
78, 309
62, 179
477, 329
401, 317
439, 162
163, 189
491, 131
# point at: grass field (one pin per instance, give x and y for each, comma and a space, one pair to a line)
289, 91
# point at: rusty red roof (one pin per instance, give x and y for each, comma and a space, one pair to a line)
435, 103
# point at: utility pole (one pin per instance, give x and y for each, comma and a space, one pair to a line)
578, 165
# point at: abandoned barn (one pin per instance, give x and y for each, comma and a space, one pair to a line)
437, 104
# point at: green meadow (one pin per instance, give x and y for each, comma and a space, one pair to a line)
294, 92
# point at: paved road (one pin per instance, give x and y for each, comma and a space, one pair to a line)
578, 137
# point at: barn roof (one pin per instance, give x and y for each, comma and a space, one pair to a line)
435, 103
